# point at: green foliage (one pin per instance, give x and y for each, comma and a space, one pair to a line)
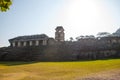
4, 5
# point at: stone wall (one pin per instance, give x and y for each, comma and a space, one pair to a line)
62, 51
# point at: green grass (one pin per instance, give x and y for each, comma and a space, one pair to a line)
54, 70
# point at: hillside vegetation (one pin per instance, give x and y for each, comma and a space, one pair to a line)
57, 70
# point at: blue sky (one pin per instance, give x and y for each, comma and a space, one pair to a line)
78, 17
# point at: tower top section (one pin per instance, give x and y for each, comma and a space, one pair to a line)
59, 34
59, 28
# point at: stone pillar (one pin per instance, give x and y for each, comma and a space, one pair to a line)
119, 41
31, 43
37, 43
44, 42
24, 43
19, 44
114, 41
13, 44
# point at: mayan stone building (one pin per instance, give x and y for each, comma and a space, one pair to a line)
37, 40
32, 40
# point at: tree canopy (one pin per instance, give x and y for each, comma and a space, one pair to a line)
103, 34
5, 4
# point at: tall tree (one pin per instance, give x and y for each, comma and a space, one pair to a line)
5, 5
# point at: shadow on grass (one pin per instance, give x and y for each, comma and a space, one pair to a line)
96, 59
14, 63
87, 60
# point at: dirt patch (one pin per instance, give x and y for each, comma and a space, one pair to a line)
13, 76
106, 75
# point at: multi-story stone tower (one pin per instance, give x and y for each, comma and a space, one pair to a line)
59, 34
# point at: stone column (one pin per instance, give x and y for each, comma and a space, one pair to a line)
24, 43
36, 42
119, 41
44, 42
114, 41
19, 44
30, 43
13, 44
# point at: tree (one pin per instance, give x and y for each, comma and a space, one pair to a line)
103, 34
85, 37
71, 38
80, 37
5, 4
89, 37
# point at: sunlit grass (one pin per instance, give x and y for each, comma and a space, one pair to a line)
54, 70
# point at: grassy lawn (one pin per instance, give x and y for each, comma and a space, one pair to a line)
55, 70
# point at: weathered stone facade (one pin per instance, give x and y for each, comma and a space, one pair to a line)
37, 40
43, 48
32, 40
